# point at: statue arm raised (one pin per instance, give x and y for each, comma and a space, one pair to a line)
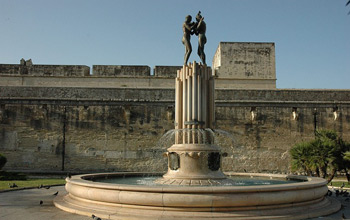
200, 23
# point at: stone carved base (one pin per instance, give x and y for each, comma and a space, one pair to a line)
300, 200
194, 182
194, 164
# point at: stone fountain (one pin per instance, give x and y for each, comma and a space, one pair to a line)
194, 186
194, 159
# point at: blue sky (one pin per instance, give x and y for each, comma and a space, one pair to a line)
312, 37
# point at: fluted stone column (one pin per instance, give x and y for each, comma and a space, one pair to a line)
194, 159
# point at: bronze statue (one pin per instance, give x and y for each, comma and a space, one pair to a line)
187, 28
199, 29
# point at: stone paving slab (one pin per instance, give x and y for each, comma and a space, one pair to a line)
25, 204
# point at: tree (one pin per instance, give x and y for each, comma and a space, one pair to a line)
337, 149
347, 156
326, 153
3, 161
301, 157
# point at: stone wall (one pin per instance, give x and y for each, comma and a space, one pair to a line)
91, 81
121, 128
105, 138
113, 70
9, 69
236, 65
44, 70
166, 71
229, 96
251, 64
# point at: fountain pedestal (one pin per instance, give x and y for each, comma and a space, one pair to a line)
194, 159
194, 164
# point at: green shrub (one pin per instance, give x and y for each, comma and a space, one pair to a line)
324, 156
11, 176
347, 156
3, 161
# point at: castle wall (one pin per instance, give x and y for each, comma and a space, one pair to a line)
59, 117
245, 65
103, 76
90, 81
120, 70
119, 129
163, 78
44, 70
166, 71
236, 65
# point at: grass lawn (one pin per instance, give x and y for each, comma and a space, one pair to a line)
338, 184
4, 184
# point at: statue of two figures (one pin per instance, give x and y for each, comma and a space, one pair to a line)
198, 28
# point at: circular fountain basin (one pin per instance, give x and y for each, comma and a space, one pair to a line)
303, 198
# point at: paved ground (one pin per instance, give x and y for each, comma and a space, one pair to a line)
25, 204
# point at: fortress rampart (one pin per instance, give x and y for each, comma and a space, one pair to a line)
66, 118
118, 129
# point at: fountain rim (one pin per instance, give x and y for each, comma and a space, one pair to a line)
307, 182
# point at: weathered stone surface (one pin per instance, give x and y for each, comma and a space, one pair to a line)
98, 94
9, 69
113, 70
44, 70
301, 96
251, 64
236, 65
93, 81
166, 71
121, 129
97, 138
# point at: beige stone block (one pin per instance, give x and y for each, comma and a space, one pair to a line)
104, 195
232, 200
141, 198
187, 200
